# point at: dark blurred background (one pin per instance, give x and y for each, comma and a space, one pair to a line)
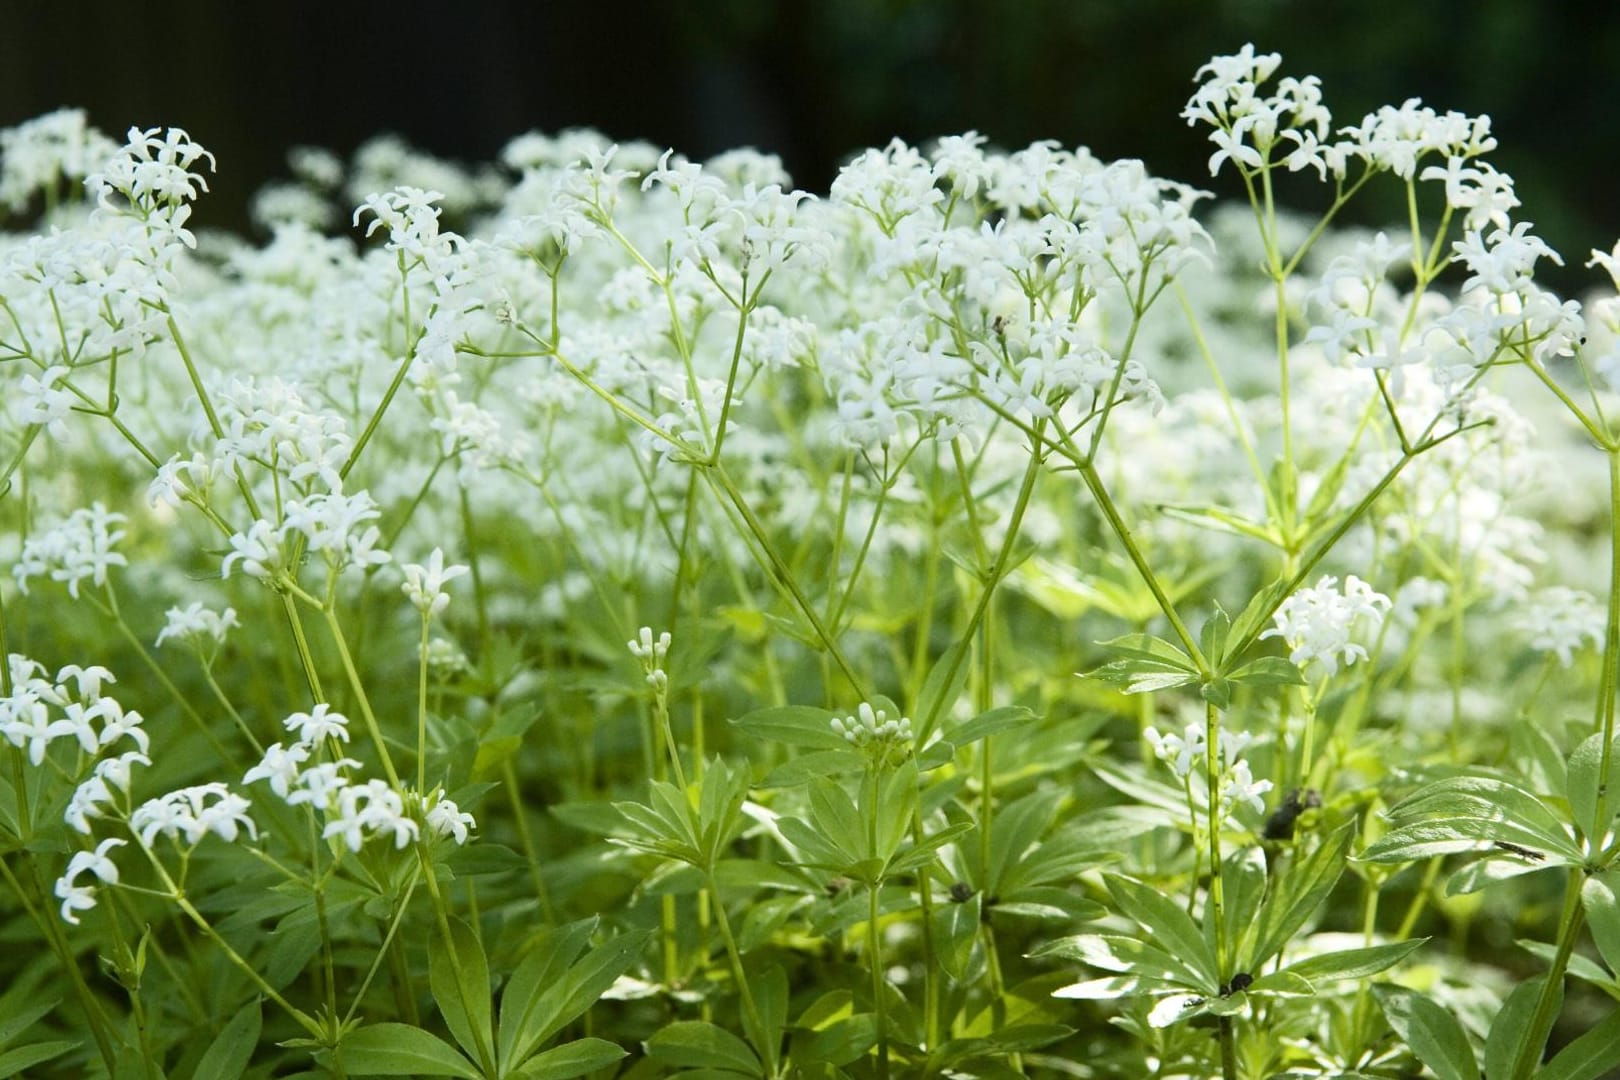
813, 80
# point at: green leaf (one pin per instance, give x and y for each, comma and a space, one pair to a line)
18, 1018
794, 725
1245, 883
1503, 811
1591, 1056
1016, 828
833, 814
771, 998
458, 975
402, 1050
816, 763
1603, 915
1584, 765
18, 1058
1143, 676
943, 686
1149, 648
993, 722
1212, 636
955, 927
542, 997
1169, 927
1269, 671
697, 1045
1511, 1028
1246, 627
838, 1043
1124, 956
1434, 1035
1302, 891
570, 1059
1337, 966
228, 1055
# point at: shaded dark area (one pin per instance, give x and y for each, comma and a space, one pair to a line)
813, 80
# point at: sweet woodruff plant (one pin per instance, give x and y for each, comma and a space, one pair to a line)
605, 614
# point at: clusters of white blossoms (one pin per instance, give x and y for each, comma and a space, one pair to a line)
300, 411
1185, 754
1318, 623
872, 730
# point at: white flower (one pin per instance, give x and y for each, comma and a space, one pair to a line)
447, 819
425, 584
76, 897
1241, 787
79, 547
1178, 751
197, 623
319, 784
258, 550
1317, 622
317, 725
193, 812
279, 766
872, 727
373, 808
26, 719
1560, 620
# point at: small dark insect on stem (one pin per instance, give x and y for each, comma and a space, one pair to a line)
1522, 852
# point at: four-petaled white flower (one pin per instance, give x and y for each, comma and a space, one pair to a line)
425, 584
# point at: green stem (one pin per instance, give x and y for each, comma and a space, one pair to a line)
370, 717
1541, 1021
750, 1007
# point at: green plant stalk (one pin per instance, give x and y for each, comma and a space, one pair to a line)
1217, 892
1570, 920
1610, 681
441, 915
421, 707
737, 972
315, 1029
874, 959
359, 690
514, 794
1015, 520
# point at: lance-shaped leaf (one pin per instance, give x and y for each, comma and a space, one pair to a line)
1434, 1035
1145, 664
1301, 892
402, 1050
458, 974
1314, 971
1169, 926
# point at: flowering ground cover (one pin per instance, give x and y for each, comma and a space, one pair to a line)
610, 615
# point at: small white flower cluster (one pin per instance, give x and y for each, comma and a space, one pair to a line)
153, 174
38, 711
337, 527
412, 221
1317, 622
425, 584
38, 154
353, 811
1251, 130
200, 627
870, 729
189, 814
77, 548
1185, 755
1561, 620
98, 864
651, 652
